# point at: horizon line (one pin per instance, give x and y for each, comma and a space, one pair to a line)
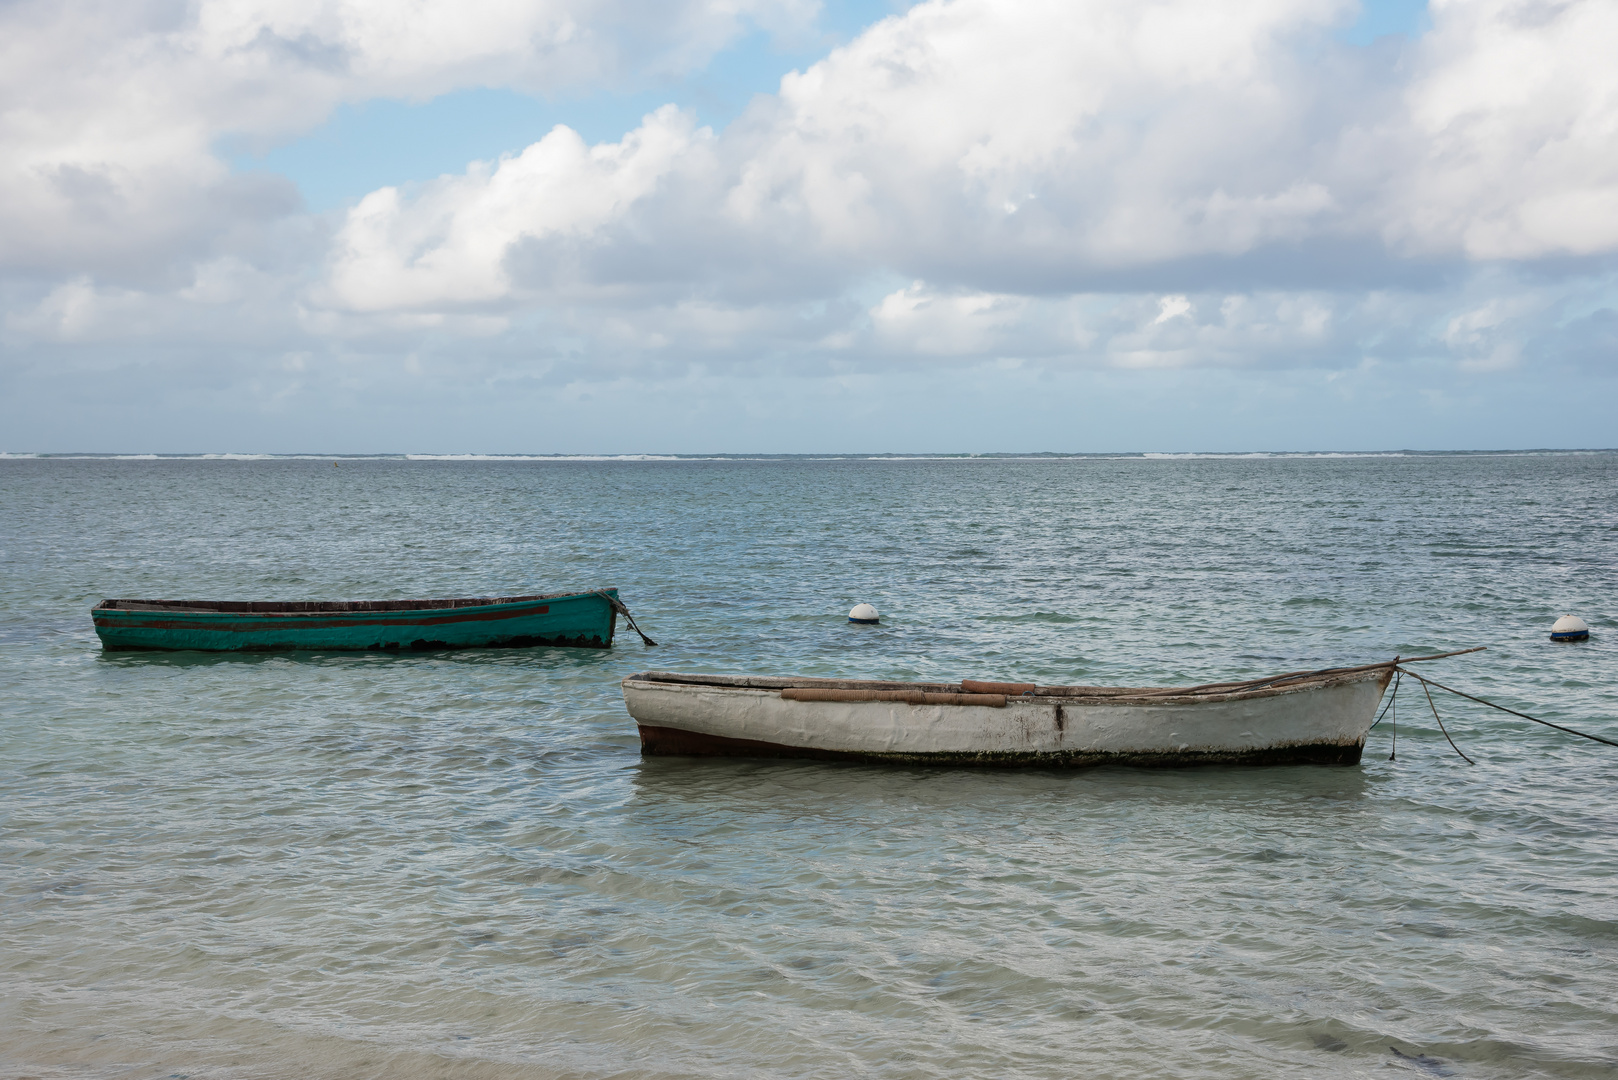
801, 456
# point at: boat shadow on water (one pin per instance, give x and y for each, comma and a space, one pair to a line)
540, 659
740, 785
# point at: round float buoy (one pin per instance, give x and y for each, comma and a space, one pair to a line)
863, 613
1570, 628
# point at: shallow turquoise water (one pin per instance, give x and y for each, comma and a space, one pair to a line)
458, 864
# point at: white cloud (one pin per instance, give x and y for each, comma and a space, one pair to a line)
68, 312
448, 245
112, 110
1172, 307
1165, 185
1046, 146
921, 321
1121, 136
420, 48
1512, 118
1131, 134
1122, 133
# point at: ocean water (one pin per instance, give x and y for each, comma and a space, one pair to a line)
458, 865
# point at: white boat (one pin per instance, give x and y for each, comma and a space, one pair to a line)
1315, 716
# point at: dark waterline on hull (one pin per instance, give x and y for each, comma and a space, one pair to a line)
675, 742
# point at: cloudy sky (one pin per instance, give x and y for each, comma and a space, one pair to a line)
588, 226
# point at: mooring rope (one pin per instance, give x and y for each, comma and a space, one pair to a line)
1502, 708
1441, 726
1393, 751
619, 606
1391, 699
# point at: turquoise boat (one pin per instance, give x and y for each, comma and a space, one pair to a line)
582, 620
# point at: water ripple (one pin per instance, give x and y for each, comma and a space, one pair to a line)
458, 865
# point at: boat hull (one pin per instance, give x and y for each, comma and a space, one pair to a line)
1318, 723
577, 620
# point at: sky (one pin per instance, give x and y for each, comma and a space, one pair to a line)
789, 226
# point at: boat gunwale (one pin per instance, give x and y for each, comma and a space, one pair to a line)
1132, 696
327, 608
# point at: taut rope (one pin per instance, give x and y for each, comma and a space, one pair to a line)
1428, 682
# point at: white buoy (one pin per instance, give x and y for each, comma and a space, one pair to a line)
1570, 628
863, 613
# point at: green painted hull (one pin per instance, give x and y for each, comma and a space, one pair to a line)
579, 620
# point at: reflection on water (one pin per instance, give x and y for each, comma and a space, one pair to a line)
457, 864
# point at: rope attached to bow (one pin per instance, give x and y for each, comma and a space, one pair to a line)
1502, 708
620, 608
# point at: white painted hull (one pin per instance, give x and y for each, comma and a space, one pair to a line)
1323, 720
